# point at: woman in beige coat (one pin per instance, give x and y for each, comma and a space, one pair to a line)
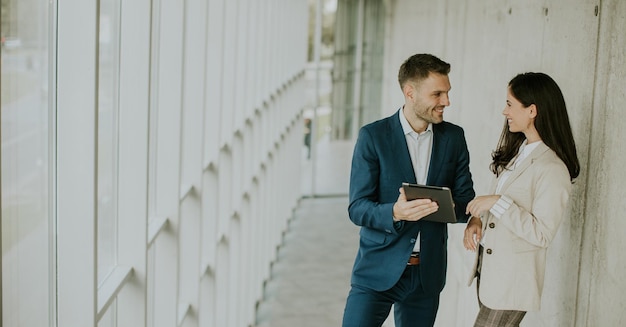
534, 165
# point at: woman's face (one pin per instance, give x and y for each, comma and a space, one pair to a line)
519, 118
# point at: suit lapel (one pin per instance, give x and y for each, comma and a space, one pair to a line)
541, 148
399, 147
438, 152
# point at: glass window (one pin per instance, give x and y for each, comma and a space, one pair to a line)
27, 219
108, 82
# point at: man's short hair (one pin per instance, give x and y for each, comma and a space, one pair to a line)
418, 66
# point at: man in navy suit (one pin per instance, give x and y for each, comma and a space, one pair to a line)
402, 259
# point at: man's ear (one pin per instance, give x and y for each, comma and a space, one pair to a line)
409, 90
532, 110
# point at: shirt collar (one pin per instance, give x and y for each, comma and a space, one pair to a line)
526, 148
524, 151
406, 127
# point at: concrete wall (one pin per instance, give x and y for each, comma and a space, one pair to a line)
582, 45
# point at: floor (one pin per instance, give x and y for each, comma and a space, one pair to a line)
311, 278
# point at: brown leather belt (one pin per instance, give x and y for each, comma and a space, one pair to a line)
414, 260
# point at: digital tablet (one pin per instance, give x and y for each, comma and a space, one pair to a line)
441, 195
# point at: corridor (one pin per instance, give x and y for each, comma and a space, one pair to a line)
310, 280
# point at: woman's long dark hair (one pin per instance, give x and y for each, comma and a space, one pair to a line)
551, 122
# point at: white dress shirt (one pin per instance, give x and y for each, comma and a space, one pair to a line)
505, 202
420, 147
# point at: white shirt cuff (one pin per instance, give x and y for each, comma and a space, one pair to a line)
501, 206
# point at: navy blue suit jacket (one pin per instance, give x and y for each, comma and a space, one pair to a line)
380, 163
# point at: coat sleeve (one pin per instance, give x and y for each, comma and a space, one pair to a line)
463, 188
365, 208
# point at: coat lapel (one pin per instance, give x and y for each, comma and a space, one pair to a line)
399, 148
541, 148
438, 152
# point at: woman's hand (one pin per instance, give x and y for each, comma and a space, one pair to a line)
473, 233
481, 204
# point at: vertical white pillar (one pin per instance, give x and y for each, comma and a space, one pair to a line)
133, 158
76, 162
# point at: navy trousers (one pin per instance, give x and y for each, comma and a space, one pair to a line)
412, 307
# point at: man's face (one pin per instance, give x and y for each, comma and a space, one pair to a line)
429, 97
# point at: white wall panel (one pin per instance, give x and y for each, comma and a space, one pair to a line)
133, 159
213, 74
228, 80
208, 248
76, 163
167, 135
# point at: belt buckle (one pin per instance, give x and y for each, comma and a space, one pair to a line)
414, 259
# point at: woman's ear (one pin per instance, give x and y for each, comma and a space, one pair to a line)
532, 110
